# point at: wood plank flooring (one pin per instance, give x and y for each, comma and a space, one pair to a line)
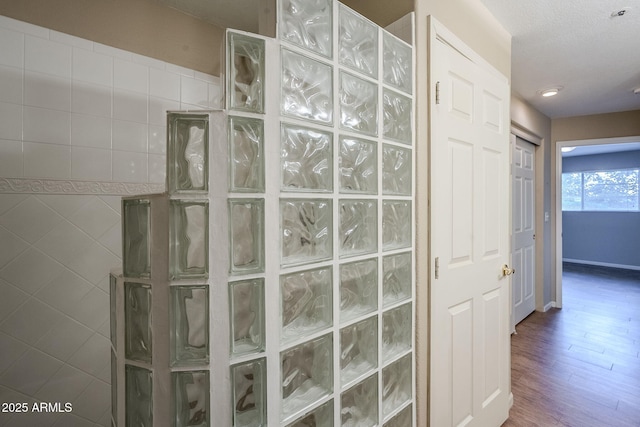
579, 366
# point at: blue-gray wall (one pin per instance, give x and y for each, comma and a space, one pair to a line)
602, 237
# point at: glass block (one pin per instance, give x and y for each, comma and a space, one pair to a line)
307, 88
189, 325
307, 24
189, 239
113, 312
306, 302
358, 231
114, 388
397, 112
358, 349
307, 374
187, 152
397, 279
358, 164
359, 404
246, 152
396, 170
403, 419
136, 259
249, 394
396, 64
137, 321
396, 331
396, 224
246, 218
306, 230
358, 104
396, 385
358, 42
138, 396
358, 289
191, 398
306, 159
246, 299
322, 416
247, 73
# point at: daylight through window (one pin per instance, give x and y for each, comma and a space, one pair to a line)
612, 190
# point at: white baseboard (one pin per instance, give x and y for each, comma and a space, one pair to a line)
602, 264
549, 306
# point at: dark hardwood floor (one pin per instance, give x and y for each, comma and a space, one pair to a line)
579, 366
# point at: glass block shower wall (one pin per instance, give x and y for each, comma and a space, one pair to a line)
273, 283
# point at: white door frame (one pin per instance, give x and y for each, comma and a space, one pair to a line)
557, 178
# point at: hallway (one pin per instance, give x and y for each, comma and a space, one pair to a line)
579, 366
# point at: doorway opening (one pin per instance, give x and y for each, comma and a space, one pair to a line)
573, 148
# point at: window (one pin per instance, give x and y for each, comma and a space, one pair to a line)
612, 190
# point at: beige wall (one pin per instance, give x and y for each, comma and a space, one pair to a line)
611, 125
470, 21
145, 27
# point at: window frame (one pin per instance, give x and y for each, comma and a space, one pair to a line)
582, 190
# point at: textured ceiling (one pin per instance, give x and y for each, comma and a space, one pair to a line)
575, 44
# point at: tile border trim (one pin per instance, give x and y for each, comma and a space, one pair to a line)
53, 186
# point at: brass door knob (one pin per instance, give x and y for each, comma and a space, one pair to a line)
506, 271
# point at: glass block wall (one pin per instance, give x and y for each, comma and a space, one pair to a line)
273, 283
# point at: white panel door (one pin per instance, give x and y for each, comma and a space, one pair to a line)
523, 224
470, 217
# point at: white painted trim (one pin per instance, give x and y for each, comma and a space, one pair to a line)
56, 186
601, 264
549, 306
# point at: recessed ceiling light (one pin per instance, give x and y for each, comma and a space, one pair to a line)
637, 91
567, 149
550, 92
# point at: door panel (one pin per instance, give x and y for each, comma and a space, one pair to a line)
470, 352
523, 229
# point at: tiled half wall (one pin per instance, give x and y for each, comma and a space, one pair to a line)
81, 124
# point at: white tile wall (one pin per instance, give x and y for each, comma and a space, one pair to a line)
61, 90
72, 109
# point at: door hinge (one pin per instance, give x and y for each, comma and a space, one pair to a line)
437, 93
437, 268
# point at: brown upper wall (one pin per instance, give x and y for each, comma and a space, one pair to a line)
611, 125
145, 27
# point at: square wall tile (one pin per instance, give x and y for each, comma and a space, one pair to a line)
12, 349
47, 160
31, 321
11, 158
158, 108
129, 136
129, 167
128, 105
64, 339
157, 168
90, 164
46, 56
11, 48
90, 131
10, 121
157, 139
30, 372
45, 125
163, 84
130, 76
47, 91
65, 385
92, 67
194, 92
31, 271
88, 98
30, 219
12, 298
11, 247
10, 84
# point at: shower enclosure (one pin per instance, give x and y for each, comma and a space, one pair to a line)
273, 282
